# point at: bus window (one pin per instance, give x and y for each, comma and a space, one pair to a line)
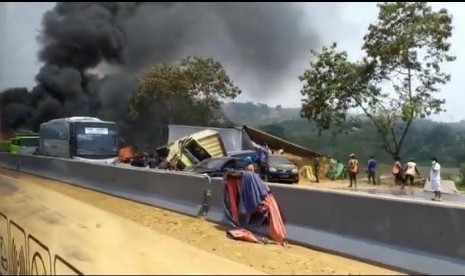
62, 131
49, 132
29, 142
96, 140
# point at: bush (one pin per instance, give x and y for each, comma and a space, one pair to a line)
447, 176
461, 182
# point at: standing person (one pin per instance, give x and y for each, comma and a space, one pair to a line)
262, 155
435, 179
316, 166
371, 170
397, 171
410, 170
352, 168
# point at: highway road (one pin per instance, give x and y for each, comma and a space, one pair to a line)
92, 241
77, 230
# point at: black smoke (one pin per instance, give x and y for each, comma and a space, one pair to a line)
258, 39
15, 109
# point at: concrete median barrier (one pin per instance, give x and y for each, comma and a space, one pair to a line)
420, 237
43, 232
216, 206
447, 187
175, 191
8, 161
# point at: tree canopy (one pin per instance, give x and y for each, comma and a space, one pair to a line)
188, 92
396, 82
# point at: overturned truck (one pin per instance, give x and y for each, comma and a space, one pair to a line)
247, 138
193, 148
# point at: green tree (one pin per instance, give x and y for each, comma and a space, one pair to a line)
188, 92
274, 129
461, 181
396, 81
208, 84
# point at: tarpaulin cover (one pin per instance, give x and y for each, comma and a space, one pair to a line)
248, 202
252, 193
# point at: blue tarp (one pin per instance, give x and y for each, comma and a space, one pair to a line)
252, 193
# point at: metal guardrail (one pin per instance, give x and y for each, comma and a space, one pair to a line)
418, 237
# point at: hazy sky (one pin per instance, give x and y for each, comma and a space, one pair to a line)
345, 23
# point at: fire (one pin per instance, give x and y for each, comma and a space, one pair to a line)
125, 154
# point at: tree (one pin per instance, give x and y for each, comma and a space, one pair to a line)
394, 83
209, 84
188, 92
274, 129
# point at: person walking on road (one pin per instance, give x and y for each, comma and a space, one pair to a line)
371, 170
397, 171
411, 169
352, 169
316, 167
435, 179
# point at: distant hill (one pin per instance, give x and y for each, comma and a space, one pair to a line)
426, 138
256, 114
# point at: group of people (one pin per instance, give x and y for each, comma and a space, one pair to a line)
402, 175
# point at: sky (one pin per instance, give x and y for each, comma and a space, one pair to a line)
344, 23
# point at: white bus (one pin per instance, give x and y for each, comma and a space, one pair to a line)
80, 138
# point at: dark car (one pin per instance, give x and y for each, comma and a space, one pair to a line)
251, 155
218, 166
281, 169
244, 154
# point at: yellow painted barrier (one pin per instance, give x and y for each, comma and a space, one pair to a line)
43, 232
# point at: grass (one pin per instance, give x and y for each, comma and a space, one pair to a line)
460, 187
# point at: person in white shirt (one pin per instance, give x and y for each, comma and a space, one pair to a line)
435, 179
410, 170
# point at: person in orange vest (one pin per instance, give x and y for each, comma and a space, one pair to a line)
397, 171
352, 169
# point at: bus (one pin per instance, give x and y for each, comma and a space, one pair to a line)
24, 143
81, 138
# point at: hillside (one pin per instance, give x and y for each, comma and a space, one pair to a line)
258, 114
426, 138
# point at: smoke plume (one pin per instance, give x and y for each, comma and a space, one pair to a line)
260, 40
